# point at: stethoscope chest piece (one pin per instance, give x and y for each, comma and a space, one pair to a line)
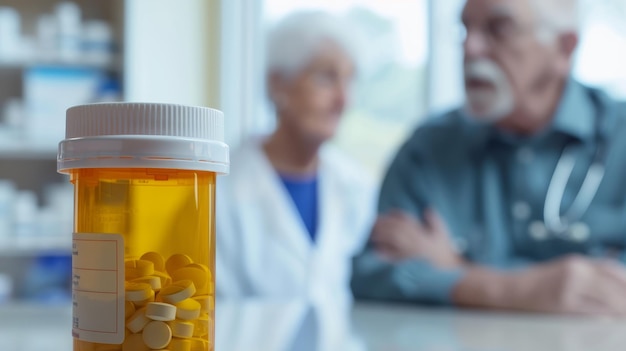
538, 231
579, 232
576, 232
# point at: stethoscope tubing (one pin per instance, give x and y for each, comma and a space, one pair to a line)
559, 225
556, 223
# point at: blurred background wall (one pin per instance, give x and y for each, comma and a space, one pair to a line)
54, 54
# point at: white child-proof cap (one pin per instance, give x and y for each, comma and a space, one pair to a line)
144, 135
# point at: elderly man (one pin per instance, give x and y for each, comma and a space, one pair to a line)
518, 199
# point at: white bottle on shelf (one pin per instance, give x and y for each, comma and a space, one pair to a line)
68, 16
7, 198
97, 42
6, 288
57, 214
12, 120
26, 214
10, 34
47, 32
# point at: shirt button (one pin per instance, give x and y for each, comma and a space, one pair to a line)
538, 231
579, 232
525, 155
521, 210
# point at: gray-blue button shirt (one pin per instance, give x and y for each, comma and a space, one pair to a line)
490, 188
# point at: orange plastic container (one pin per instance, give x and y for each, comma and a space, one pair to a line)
144, 229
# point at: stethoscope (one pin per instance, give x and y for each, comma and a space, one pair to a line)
568, 226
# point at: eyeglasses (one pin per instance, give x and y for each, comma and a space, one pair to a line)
497, 30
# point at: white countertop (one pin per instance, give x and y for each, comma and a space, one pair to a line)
35, 328
295, 326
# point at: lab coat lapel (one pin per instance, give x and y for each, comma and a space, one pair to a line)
330, 258
282, 218
331, 216
328, 211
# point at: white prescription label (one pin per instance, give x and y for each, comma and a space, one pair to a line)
98, 288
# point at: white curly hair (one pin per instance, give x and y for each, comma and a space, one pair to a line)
294, 41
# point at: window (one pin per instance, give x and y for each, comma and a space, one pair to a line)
602, 47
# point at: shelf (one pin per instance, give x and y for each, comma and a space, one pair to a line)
113, 64
35, 246
11, 147
22, 153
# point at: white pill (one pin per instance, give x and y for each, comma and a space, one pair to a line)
160, 311
182, 329
195, 273
136, 292
188, 309
137, 321
143, 303
157, 335
165, 279
176, 262
152, 280
178, 291
156, 259
138, 268
206, 303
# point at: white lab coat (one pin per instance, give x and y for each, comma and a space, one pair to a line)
263, 247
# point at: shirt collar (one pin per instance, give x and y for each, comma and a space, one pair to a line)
575, 114
574, 117
478, 132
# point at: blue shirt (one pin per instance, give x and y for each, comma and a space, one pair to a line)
490, 188
303, 192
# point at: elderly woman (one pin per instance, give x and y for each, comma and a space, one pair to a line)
294, 211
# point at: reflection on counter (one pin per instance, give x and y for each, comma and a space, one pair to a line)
298, 326
33, 327
277, 325
409, 328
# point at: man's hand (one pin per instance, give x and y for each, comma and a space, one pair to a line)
399, 236
571, 285
577, 285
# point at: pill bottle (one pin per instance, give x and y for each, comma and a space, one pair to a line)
143, 248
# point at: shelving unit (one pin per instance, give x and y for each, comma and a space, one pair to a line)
28, 161
152, 63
